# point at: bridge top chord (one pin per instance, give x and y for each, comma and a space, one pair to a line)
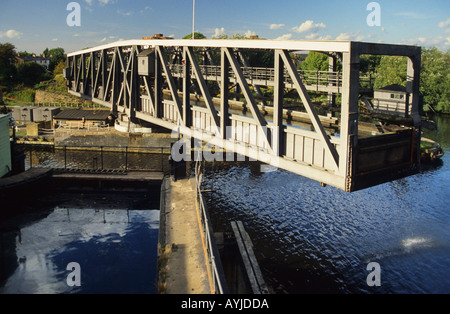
290, 45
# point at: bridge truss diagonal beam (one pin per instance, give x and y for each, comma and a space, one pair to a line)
204, 89
259, 119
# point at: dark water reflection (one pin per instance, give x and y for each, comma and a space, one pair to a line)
114, 244
310, 239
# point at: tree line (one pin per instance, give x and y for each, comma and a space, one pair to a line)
27, 74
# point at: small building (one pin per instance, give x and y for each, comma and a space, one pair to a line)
392, 100
5, 146
23, 114
78, 118
41, 60
45, 114
146, 62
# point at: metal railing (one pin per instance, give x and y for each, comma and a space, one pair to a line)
218, 279
309, 77
100, 158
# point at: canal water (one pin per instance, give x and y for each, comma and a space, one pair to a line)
111, 235
307, 239
310, 239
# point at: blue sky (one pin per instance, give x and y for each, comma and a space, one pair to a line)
33, 25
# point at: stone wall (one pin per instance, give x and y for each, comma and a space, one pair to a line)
46, 97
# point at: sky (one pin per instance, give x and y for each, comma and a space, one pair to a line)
33, 25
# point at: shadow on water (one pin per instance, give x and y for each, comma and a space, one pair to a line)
111, 264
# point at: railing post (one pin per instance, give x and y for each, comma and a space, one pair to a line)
65, 157
162, 159
101, 154
31, 156
126, 158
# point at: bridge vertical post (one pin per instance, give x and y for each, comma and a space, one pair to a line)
158, 86
83, 73
187, 113
332, 62
277, 132
134, 85
92, 57
103, 69
224, 92
349, 114
115, 82
76, 73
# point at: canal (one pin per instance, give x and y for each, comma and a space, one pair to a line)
307, 239
310, 239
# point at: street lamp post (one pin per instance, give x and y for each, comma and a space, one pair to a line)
193, 21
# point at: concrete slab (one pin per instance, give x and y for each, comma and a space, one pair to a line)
186, 264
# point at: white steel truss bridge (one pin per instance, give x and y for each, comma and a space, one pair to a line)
154, 81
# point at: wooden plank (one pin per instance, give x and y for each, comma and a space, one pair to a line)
251, 264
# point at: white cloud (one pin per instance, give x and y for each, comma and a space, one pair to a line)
145, 9
129, 13
315, 36
54, 39
308, 26
11, 34
102, 2
352, 37
439, 41
284, 37
219, 32
412, 15
249, 33
444, 24
277, 26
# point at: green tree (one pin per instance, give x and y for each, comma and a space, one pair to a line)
56, 56
435, 78
315, 61
369, 63
196, 36
31, 73
391, 70
8, 71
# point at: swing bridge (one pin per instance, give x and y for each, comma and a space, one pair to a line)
156, 81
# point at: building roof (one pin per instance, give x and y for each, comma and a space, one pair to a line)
393, 88
78, 114
34, 59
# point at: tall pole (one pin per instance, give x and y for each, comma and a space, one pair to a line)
193, 22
